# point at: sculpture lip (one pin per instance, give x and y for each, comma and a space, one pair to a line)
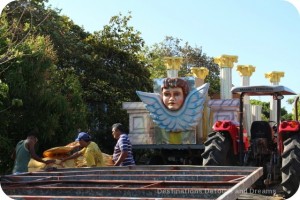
172, 106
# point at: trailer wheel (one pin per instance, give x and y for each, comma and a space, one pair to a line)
217, 150
290, 170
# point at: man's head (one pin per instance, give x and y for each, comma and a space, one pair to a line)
83, 138
32, 135
117, 129
174, 92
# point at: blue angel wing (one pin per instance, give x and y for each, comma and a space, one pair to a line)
186, 118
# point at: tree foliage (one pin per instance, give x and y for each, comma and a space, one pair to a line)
192, 57
296, 108
18, 21
119, 35
52, 99
265, 115
113, 76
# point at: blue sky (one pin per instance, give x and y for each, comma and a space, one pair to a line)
262, 33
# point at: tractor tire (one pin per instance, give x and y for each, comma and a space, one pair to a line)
290, 170
217, 150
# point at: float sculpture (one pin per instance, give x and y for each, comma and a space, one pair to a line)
175, 119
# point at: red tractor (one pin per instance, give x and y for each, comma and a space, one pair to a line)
273, 150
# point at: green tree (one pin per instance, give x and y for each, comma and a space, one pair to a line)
119, 35
192, 57
296, 108
113, 76
52, 98
18, 21
265, 115
68, 41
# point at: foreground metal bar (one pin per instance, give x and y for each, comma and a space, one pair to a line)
136, 182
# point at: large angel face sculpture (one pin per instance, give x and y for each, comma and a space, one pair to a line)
174, 92
176, 109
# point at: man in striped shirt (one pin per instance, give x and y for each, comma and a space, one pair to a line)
122, 155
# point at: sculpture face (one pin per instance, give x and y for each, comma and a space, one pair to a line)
173, 98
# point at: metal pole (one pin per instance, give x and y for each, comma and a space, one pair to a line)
241, 133
296, 107
278, 120
278, 112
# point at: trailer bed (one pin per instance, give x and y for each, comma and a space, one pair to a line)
134, 182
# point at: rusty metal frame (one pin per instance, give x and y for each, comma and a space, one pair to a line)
134, 182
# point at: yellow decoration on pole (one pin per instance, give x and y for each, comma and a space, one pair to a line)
173, 62
200, 72
245, 70
274, 76
226, 61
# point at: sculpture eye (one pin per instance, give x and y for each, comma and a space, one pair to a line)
177, 94
167, 94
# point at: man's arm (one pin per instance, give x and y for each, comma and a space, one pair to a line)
74, 155
121, 158
30, 145
13, 155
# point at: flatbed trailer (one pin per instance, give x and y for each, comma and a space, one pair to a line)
133, 182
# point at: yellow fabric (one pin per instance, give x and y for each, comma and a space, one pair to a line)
58, 153
92, 156
61, 151
34, 165
107, 159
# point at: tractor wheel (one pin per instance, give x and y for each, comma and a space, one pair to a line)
217, 150
290, 170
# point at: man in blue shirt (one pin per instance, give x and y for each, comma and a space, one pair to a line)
122, 155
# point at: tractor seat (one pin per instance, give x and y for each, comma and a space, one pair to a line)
261, 129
